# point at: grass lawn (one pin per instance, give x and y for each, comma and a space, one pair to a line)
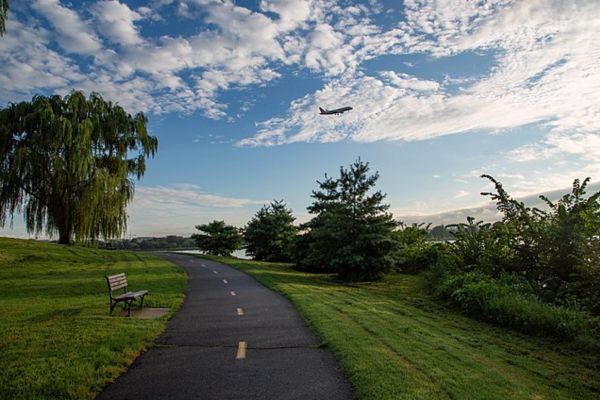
57, 340
394, 341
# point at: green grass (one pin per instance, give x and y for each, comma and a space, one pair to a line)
394, 341
57, 340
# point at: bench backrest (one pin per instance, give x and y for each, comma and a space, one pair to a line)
116, 282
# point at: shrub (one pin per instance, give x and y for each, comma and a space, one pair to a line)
510, 301
418, 258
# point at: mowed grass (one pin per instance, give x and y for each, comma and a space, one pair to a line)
394, 341
57, 340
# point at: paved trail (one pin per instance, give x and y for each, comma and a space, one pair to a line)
201, 354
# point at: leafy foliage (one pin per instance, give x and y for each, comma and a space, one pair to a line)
218, 238
351, 233
270, 234
413, 252
3, 15
484, 246
66, 163
556, 250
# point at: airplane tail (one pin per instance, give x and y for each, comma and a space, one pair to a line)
322, 111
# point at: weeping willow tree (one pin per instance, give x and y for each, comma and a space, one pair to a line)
3, 14
68, 165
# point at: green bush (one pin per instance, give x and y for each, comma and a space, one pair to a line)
270, 234
510, 301
418, 258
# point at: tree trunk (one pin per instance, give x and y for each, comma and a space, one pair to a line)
64, 238
64, 235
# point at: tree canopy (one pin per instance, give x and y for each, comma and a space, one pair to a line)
218, 239
3, 15
270, 233
351, 233
67, 163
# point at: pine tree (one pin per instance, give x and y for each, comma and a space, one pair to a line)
352, 232
270, 234
66, 164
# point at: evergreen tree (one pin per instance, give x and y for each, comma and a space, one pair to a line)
270, 234
352, 232
218, 239
66, 164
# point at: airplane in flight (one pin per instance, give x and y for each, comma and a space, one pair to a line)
336, 111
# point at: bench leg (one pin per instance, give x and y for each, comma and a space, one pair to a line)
112, 307
129, 309
142, 302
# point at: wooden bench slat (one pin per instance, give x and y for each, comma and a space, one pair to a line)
118, 286
117, 282
117, 276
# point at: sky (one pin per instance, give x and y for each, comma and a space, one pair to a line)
442, 91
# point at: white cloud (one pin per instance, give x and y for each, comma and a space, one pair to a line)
547, 71
547, 65
235, 47
29, 65
74, 35
117, 21
176, 209
186, 195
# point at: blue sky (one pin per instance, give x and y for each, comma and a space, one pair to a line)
442, 91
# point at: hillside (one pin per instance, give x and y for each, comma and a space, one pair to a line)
56, 337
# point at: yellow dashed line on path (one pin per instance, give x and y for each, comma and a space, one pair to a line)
232, 293
215, 272
241, 351
225, 281
240, 311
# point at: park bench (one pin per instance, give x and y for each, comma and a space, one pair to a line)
119, 281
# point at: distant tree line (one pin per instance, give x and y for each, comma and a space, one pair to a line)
170, 242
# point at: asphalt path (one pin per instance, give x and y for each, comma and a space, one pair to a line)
232, 339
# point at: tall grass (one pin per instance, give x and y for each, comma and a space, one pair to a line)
509, 302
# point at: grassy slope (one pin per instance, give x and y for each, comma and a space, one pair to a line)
56, 337
395, 342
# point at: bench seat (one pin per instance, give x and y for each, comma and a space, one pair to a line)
131, 295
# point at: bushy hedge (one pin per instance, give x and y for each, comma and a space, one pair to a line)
418, 258
510, 301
